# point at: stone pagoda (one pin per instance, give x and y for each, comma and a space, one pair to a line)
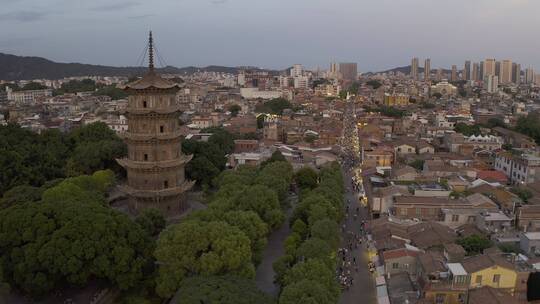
155, 162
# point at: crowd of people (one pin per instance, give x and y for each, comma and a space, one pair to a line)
349, 255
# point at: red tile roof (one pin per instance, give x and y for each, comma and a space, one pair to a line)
493, 176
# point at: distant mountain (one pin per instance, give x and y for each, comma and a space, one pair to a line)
14, 67
407, 70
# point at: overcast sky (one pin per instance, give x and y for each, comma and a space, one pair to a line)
378, 34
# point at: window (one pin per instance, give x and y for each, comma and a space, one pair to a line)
478, 280
165, 184
161, 129
395, 265
403, 211
144, 104
145, 157
496, 278
455, 217
418, 211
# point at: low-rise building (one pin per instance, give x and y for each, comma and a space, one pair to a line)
520, 169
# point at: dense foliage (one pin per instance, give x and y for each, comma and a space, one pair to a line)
530, 126
221, 289
307, 270
474, 244
274, 106
467, 129
71, 236
28, 158
228, 237
209, 158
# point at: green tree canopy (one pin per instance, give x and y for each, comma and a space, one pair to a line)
306, 178
466, 129
70, 240
220, 289
152, 221
205, 248
530, 126
274, 106
234, 109
474, 244
306, 292
317, 271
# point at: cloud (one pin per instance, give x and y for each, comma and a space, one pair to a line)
141, 16
116, 6
11, 42
23, 16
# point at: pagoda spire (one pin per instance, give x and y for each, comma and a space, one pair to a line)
150, 52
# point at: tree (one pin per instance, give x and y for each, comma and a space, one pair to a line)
474, 244
530, 126
234, 109
70, 240
205, 248
306, 291
466, 129
20, 194
248, 222
314, 248
263, 201
375, 84
274, 106
152, 221
221, 289
326, 230
316, 271
306, 178
524, 194
275, 157
418, 164
112, 91
202, 170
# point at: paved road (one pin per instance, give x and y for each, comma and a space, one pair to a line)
264, 277
363, 290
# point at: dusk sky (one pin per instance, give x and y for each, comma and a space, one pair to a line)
378, 34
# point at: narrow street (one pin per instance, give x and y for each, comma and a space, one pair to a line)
363, 289
264, 277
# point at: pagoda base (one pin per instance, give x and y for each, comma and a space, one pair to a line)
169, 206
171, 202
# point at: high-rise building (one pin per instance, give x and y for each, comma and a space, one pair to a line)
491, 83
155, 162
453, 76
498, 69
334, 70
489, 68
516, 73
481, 73
475, 75
467, 70
506, 71
297, 70
414, 68
427, 69
529, 75
439, 74
349, 71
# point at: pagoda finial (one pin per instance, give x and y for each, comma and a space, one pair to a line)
150, 52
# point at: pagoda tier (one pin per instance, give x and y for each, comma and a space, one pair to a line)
127, 164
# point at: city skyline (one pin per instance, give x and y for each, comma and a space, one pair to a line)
238, 33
